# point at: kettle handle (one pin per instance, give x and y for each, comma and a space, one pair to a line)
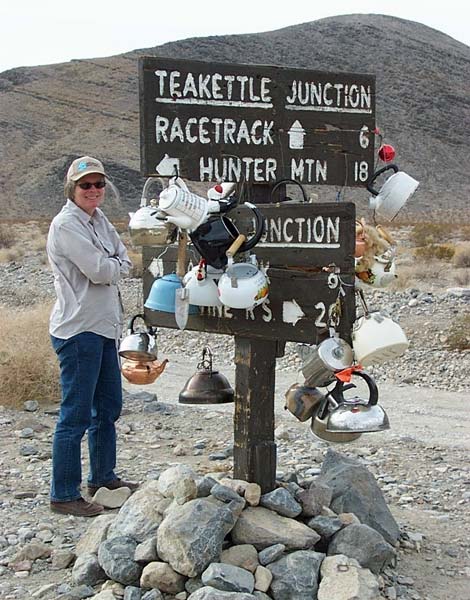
260, 229
130, 327
377, 174
285, 181
337, 392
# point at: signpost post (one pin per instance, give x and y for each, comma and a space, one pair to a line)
256, 124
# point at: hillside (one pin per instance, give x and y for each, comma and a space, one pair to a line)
49, 115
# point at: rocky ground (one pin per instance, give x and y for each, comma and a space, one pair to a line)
421, 465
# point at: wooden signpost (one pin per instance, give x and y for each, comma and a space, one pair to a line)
257, 124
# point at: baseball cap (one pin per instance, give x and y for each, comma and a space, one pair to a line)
83, 166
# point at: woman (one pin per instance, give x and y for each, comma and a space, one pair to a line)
87, 259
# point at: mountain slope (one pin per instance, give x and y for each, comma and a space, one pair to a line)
49, 115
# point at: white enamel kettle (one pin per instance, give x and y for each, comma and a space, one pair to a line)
393, 194
243, 285
376, 337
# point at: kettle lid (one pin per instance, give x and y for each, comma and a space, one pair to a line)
336, 353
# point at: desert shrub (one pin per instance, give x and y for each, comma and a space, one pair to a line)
423, 234
7, 239
459, 334
437, 251
462, 277
28, 365
461, 257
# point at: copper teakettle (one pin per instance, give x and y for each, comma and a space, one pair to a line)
143, 373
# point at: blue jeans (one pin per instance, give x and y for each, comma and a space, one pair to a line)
91, 401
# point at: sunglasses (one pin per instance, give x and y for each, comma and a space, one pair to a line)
99, 185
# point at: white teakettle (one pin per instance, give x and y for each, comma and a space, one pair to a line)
376, 337
243, 285
393, 194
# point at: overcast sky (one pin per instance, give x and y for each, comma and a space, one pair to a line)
38, 32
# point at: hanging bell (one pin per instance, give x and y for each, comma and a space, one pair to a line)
206, 386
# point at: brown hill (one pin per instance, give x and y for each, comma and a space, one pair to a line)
49, 115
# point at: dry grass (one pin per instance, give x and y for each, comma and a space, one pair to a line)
461, 258
28, 365
424, 234
20, 238
443, 252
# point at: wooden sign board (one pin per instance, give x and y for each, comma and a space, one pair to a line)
308, 252
255, 123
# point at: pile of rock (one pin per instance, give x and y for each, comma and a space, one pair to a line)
193, 537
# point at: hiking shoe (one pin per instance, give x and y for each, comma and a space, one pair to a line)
112, 485
78, 508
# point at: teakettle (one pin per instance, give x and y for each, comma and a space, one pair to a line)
139, 346
143, 373
324, 360
393, 194
376, 337
243, 285
302, 400
202, 288
147, 226
213, 238
206, 386
356, 414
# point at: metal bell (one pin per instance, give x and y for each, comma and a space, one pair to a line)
206, 386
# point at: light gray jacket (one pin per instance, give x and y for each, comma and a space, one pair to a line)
87, 259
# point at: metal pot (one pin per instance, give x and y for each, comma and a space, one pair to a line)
302, 400
376, 337
243, 285
393, 194
326, 359
214, 237
139, 346
206, 386
147, 226
142, 373
318, 426
357, 415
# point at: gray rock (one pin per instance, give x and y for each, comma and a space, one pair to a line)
141, 515
228, 578
116, 557
204, 486
191, 535
325, 526
87, 570
146, 551
94, 535
210, 593
31, 405
270, 554
132, 592
281, 501
263, 527
364, 544
295, 576
314, 499
153, 595
355, 490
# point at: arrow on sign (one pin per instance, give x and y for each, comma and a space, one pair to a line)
291, 312
168, 167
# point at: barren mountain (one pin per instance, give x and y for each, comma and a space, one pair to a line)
50, 115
